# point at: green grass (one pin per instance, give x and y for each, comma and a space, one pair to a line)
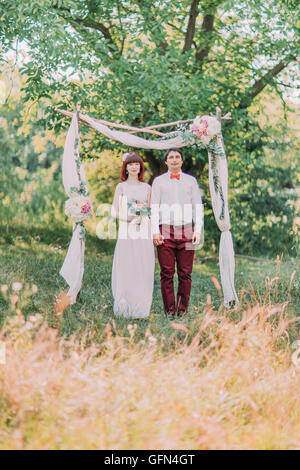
34, 255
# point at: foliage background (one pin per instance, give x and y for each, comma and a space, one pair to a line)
141, 62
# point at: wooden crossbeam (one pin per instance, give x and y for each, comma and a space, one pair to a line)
148, 129
112, 124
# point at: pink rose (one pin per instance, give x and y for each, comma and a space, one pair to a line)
85, 208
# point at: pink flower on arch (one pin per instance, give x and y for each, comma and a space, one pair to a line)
85, 209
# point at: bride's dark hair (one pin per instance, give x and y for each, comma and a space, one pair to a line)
132, 157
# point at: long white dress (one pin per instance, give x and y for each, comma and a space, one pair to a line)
134, 257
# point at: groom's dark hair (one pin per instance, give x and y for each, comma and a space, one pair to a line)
174, 149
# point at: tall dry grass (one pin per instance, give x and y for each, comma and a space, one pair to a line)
232, 384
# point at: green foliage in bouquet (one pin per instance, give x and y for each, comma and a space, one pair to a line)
138, 208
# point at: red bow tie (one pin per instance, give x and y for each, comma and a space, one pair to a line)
175, 175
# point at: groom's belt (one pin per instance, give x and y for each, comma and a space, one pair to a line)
190, 224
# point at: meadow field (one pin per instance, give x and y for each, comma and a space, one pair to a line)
218, 379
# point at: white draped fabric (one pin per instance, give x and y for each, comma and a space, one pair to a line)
132, 140
226, 251
69, 171
73, 267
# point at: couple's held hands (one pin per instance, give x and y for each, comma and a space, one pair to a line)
158, 239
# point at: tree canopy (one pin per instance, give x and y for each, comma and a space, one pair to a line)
143, 62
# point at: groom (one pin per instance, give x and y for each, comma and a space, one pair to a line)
177, 221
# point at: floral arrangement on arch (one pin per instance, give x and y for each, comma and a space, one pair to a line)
205, 128
204, 133
78, 207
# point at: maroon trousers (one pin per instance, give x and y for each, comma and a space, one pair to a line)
176, 249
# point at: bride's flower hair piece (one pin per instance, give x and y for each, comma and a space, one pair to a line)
125, 155
132, 157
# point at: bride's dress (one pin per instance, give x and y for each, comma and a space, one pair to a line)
134, 257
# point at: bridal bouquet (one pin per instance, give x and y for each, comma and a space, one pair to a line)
138, 208
78, 207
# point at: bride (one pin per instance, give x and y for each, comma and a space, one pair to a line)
134, 257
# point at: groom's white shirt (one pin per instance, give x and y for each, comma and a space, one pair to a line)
176, 202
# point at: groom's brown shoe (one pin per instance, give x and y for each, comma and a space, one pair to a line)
181, 313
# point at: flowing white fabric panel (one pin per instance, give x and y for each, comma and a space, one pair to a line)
73, 266
226, 252
226, 262
69, 172
130, 139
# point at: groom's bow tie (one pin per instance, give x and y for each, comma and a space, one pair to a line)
175, 175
